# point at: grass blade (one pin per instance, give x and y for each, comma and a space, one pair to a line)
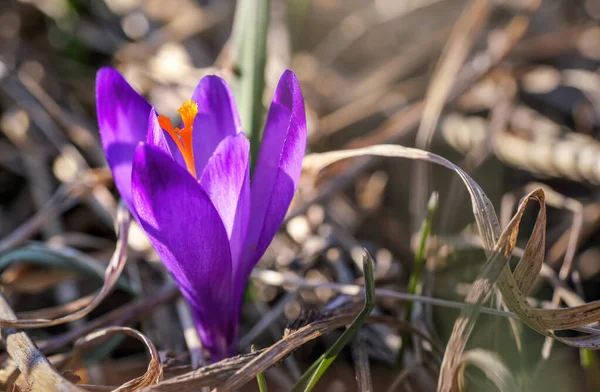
415, 276
320, 366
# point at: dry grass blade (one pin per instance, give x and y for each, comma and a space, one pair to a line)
485, 216
205, 376
463, 34
57, 311
487, 223
112, 273
491, 365
455, 53
241, 369
529, 267
122, 315
154, 372
39, 374
361, 365
513, 287
495, 265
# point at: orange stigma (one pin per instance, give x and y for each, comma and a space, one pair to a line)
183, 137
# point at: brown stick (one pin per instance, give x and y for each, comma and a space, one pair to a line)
39, 374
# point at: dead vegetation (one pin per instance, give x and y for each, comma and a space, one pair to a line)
498, 98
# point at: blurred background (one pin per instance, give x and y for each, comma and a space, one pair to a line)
517, 83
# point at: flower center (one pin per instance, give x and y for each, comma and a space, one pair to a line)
183, 137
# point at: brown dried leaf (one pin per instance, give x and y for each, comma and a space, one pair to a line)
530, 265
482, 287
154, 372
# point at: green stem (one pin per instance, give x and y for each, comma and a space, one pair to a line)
587, 359
310, 378
424, 233
260, 378
249, 56
415, 276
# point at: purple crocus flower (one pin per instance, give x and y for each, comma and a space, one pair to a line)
190, 189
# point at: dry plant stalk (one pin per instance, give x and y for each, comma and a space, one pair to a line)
462, 37
38, 372
232, 373
243, 368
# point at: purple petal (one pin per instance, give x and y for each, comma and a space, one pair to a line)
217, 118
188, 234
277, 169
123, 122
226, 180
161, 140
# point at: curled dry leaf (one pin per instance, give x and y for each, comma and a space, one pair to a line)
152, 375
111, 275
498, 247
515, 286
482, 287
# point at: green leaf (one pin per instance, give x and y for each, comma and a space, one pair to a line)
249, 53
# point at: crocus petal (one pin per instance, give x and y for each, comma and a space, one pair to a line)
226, 180
123, 122
188, 234
277, 169
158, 138
217, 118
